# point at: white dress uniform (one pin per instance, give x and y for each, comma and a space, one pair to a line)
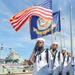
70, 66
41, 66
55, 63
60, 59
64, 71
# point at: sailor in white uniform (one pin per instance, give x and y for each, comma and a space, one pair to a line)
60, 60
54, 53
64, 63
43, 59
70, 67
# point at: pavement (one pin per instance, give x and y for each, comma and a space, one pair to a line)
21, 74
15, 74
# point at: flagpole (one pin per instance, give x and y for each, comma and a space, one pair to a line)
63, 18
71, 30
60, 31
61, 40
52, 36
60, 35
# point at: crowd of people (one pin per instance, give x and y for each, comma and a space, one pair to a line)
51, 61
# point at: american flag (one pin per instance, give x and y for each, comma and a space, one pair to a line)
43, 10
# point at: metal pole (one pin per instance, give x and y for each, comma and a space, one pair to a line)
52, 37
61, 36
63, 18
71, 30
64, 35
61, 39
52, 34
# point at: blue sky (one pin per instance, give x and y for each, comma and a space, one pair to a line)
20, 41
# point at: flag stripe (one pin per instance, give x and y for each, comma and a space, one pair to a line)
34, 13
21, 23
34, 9
20, 18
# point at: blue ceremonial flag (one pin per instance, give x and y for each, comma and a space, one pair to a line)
40, 27
56, 22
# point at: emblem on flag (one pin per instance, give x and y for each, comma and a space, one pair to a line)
43, 24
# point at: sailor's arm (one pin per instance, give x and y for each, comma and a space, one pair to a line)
32, 57
33, 54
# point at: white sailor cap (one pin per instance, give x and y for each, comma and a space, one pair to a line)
40, 39
55, 43
63, 48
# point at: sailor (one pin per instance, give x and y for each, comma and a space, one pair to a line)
70, 66
60, 61
42, 59
51, 47
68, 62
54, 53
64, 62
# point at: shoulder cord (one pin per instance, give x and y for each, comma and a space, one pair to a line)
37, 53
64, 59
54, 57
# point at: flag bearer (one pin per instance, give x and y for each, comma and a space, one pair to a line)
43, 59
